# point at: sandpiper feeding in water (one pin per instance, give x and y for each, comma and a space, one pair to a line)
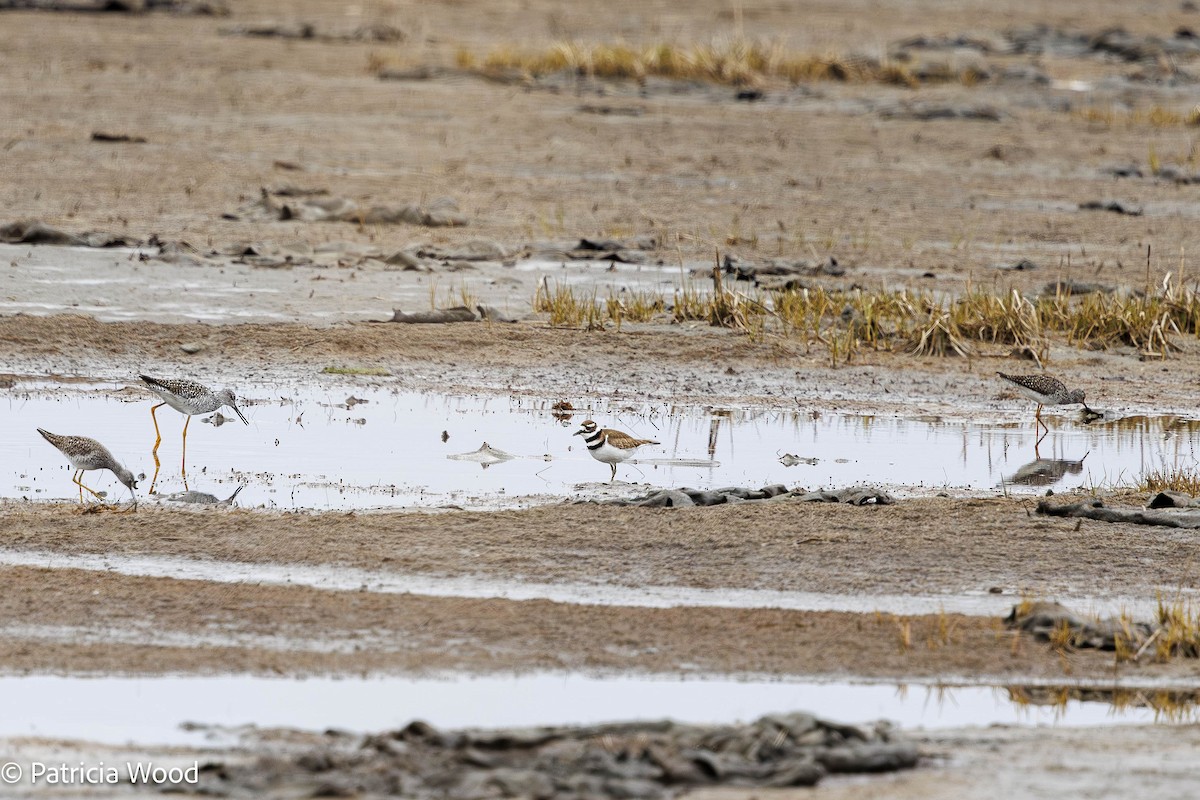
188, 398
1045, 391
87, 454
609, 446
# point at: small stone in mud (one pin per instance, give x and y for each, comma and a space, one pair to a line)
101, 136
191, 348
440, 315
1115, 206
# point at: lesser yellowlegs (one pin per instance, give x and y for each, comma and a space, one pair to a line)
87, 454
188, 398
1045, 391
609, 446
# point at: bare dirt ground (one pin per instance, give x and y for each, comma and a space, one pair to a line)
821, 170
835, 550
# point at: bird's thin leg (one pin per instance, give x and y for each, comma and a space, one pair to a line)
157, 467
75, 480
157, 435
183, 464
157, 442
79, 480
1036, 444
614, 473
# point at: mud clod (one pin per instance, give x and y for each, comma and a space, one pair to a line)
618, 760
679, 498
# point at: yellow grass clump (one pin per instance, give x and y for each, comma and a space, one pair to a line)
736, 61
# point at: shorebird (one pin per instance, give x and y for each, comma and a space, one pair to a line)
609, 446
1045, 391
87, 454
188, 398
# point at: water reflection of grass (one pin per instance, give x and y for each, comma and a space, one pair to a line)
1168, 705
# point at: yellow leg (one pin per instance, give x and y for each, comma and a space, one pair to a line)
157, 442
157, 435
157, 466
183, 463
1038, 418
79, 482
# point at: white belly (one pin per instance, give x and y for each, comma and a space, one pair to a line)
1035, 397
200, 405
611, 455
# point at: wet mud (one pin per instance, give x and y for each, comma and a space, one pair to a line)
622, 760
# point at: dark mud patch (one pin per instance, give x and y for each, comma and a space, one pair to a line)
645, 760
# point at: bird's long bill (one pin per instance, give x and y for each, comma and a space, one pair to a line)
241, 416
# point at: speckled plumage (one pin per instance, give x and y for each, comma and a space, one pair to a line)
1045, 391
189, 397
87, 454
609, 446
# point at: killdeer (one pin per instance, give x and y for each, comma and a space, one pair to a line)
188, 398
1045, 391
609, 446
87, 454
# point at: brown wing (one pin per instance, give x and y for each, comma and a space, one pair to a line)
188, 390
1042, 384
624, 441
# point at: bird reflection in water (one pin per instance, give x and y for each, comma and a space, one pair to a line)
203, 498
1046, 471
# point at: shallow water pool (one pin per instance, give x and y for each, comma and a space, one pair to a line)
152, 710
378, 447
